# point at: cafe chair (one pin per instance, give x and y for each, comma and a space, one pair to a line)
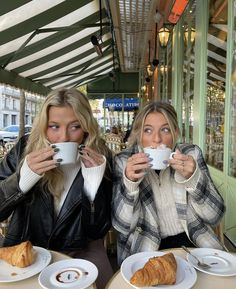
110, 242
114, 142
9, 146
219, 231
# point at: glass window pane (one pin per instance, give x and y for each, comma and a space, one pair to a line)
188, 75
232, 170
216, 74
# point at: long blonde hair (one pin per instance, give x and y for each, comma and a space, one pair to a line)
157, 106
82, 110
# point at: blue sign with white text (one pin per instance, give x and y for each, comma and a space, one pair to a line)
116, 104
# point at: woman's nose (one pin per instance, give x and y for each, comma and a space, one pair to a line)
64, 136
156, 137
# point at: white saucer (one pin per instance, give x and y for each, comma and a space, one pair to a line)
222, 263
71, 273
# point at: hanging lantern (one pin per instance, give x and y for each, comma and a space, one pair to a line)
192, 35
164, 34
163, 69
149, 70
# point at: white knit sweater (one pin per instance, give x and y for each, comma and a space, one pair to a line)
162, 188
28, 179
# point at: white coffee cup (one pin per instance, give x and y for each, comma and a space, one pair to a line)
68, 152
160, 157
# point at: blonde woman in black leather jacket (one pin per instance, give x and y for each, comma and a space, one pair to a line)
60, 207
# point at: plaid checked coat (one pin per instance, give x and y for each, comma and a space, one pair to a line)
135, 216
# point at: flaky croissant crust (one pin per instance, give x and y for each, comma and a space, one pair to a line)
156, 271
21, 255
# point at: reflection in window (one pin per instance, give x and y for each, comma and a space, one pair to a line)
188, 75
233, 110
215, 125
165, 70
216, 74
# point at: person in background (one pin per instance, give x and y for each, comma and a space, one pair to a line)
128, 132
155, 210
57, 206
114, 130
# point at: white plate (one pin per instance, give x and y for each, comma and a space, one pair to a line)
9, 273
222, 263
186, 275
72, 273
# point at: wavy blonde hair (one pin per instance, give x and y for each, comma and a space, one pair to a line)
83, 112
162, 107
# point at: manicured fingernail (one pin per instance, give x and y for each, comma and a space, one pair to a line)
150, 159
165, 162
80, 153
150, 165
147, 154
81, 146
58, 164
53, 146
56, 150
59, 160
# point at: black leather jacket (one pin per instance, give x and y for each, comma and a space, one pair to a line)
33, 215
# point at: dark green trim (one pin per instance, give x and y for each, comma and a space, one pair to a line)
124, 83
8, 6
11, 78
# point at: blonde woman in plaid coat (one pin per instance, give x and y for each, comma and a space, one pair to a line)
155, 210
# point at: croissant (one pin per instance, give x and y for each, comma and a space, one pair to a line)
19, 255
157, 271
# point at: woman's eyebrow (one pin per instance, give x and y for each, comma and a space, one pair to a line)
165, 124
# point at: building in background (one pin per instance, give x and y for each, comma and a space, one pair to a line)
10, 106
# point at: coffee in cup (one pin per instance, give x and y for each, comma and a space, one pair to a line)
160, 156
68, 152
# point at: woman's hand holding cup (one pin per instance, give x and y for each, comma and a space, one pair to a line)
137, 165
183, 164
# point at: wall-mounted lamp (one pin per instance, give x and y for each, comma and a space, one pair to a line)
163, 69
164, 34
112, 76
192, 35
143, 88
96, 45
155, 62
149, 70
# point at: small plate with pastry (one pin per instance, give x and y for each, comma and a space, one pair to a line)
164, 270
22, 261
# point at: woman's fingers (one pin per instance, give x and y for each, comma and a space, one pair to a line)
41, 161
136, 166
91, 158
184, 164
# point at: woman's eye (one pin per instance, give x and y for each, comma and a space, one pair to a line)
75, 127
147, 130
165, 130
53, 126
